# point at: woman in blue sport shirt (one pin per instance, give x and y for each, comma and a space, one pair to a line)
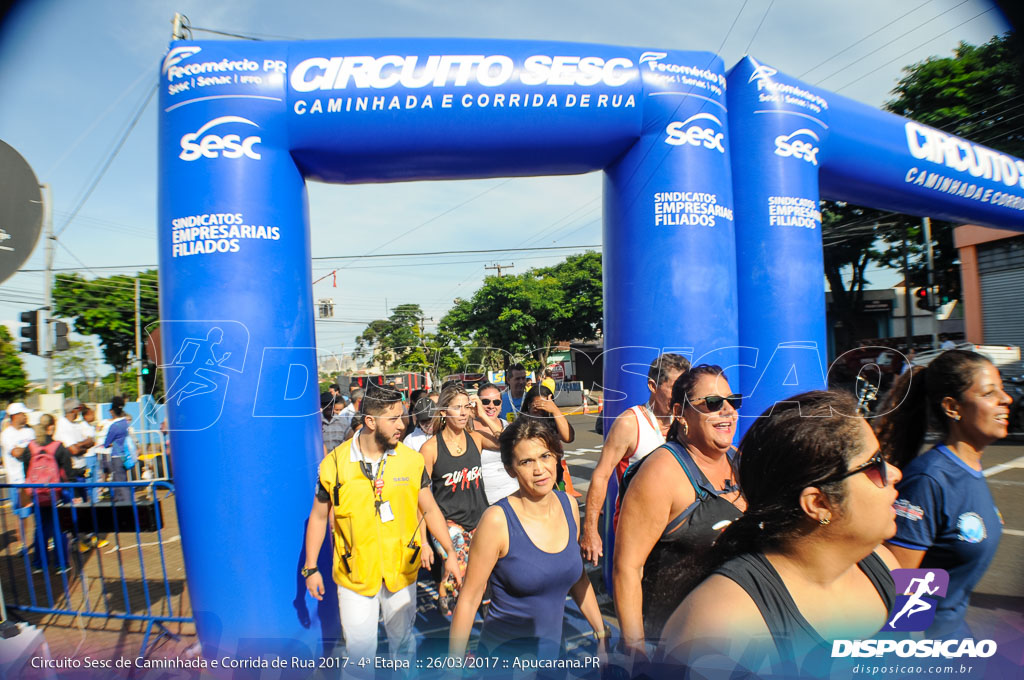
945, 515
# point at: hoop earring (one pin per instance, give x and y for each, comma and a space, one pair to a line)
686, 428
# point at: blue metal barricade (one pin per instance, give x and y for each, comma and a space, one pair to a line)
76, 576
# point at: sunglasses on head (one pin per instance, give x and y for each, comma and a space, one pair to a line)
875, 469
715, 402
488, 402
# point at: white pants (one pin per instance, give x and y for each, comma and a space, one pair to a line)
359, 616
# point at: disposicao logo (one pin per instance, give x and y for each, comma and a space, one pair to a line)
918, 592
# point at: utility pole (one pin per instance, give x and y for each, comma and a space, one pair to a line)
45, 329
932, 298
138, 342
176, 31
908, 306
499, 267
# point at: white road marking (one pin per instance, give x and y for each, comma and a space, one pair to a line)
996, 469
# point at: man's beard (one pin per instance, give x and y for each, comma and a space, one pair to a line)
383, 442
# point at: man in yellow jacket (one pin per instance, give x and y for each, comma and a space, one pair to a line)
376, 489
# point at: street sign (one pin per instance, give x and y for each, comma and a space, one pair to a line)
558, 370
21, 211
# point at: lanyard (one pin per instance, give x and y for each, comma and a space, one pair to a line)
378, 480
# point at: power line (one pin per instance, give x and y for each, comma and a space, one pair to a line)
884, 45
732, 26
914, 48
436, 217
758, 29
336, 257
854, 44
259, 37
110, 159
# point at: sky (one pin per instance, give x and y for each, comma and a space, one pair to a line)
74, 75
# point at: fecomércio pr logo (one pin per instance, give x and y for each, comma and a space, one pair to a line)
918, 591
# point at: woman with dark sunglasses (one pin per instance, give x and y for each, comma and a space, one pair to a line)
804, 565
675, 503
497, 482
946, 517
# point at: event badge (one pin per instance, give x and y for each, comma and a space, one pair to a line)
386, 515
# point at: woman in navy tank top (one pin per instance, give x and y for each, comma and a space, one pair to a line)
527, 550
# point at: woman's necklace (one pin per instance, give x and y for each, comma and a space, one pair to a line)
455, 449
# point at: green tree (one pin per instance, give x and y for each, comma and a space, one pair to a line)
972, 94
13, 379
105, 307
77, 361
526, 314
396, 342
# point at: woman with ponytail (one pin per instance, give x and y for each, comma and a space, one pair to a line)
804, 565
946, 517
675, 502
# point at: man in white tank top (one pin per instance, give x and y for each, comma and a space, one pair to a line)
635, 433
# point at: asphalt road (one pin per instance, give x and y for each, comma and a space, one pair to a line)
997, 602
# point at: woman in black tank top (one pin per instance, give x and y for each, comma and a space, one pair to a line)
452, 459
675, 503
804, 565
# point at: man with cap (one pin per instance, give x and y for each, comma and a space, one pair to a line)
14, 443
75, 434
422, 412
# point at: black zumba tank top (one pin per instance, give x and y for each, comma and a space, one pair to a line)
458, 485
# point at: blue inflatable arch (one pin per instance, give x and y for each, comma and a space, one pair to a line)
712, 244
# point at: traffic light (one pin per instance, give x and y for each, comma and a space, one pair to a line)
30, 332
925, 300
60, 336
148, 377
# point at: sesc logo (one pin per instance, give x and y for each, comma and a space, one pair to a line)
786, 146
214, 146
177, 55
696, 135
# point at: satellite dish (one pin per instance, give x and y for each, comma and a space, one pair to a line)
21, 211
